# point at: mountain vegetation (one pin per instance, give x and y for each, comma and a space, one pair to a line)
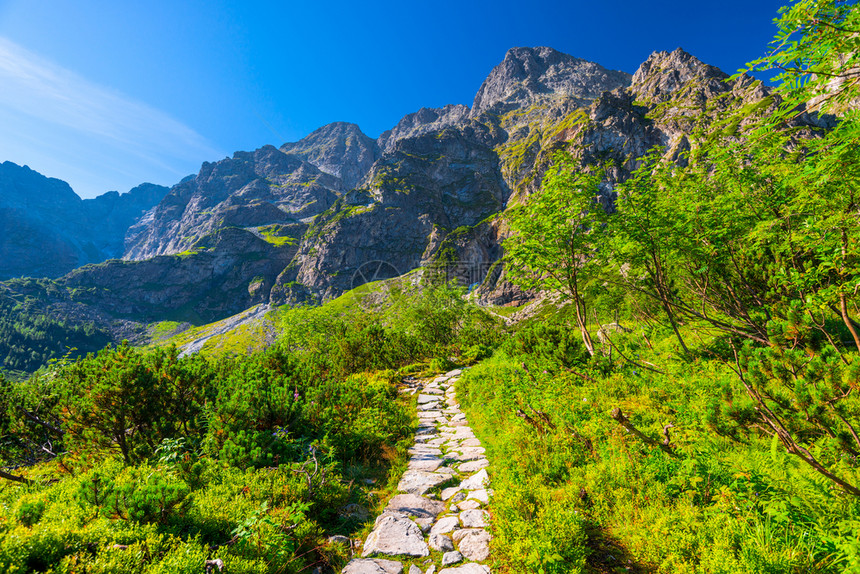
678, 391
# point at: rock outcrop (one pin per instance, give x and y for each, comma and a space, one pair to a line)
529, 75
222, 274
339, 149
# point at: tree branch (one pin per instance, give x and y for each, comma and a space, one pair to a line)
15, 478
666, 445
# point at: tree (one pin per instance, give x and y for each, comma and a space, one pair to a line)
643, 238
801, 383
557, 236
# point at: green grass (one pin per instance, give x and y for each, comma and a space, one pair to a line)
579, 493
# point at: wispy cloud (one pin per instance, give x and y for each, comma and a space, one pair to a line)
94, 124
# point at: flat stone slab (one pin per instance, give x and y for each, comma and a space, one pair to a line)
429, 414
440, 542
428, 407
482, 495
449, 492
393, 536
421, 508
477, 481
425, 449
473, 543
469, 504
445, 525
471, 442
459, 432
470, 568
372, 566
437, 441
465, 454
425, 462
474, 465
420, 481
452, 557
433, 391
475, 518
454, 373
422, 399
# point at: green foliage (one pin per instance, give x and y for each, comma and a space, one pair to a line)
29, 338
130, 400
157, 458
557, 236
548, 343
357, 416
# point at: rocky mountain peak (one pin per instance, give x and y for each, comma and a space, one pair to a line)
527, 75
340, 149
423, 121
664, 73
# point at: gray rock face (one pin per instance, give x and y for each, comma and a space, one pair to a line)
528, 75
250, 190
664, 73
425, 183
425, 120
393, 536
215, 281
339, 149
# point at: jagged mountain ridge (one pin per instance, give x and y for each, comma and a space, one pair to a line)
48, 230
428, 190
436, 170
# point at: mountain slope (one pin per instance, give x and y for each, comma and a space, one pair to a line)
48, 230
305, 222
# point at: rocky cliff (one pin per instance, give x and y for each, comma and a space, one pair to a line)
304, 221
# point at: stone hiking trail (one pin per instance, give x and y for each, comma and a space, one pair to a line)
417, 521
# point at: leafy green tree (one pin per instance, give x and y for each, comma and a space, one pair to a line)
644, 241
557, 237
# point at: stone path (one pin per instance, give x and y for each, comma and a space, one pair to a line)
439, 515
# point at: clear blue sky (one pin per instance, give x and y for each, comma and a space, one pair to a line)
108, 94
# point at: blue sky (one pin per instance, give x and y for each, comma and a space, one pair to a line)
108, 94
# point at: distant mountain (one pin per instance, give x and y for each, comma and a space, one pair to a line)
48, 230
306, 221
